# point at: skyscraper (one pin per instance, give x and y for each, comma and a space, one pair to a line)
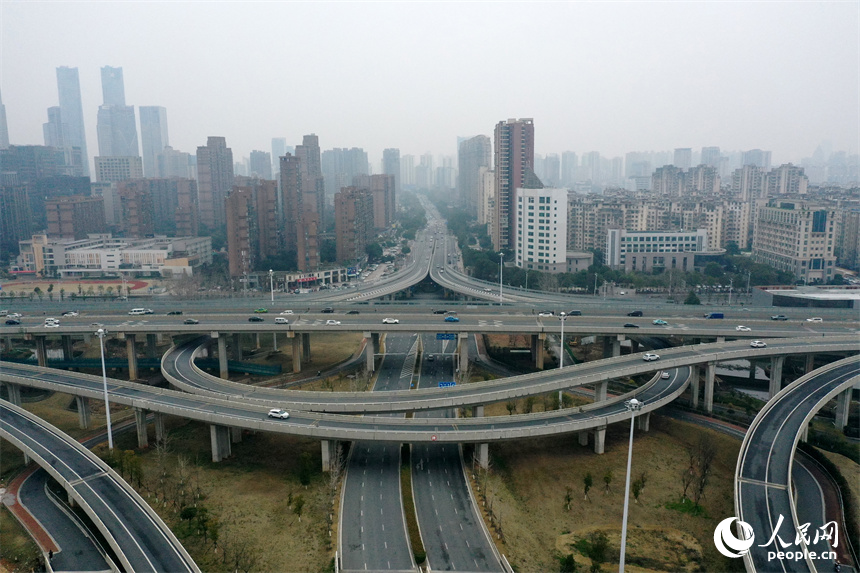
153, 137
313, 184
261, 164
353, 211
473, 154
711, 156
214, 181
391, 166
683, 157
54, 131
72, 111
4, 127
115, 125
513, 153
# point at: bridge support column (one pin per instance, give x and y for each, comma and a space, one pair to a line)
41, 351
257, 340
131, 351
275, 341
13, 392
325, 449
583, 438
810, 363
219, 437
463, 351
694, 383
721, 339
643, 421
236, 435
843, 402
236, 346
538, 353
477, 411
600, 391
600, 440
83, 405
710, 371
159, 427
140, 424
371, 339
297, 351
775, 375
152, 346
634, 346
223, 369
804, 435
306, 346
482, 452
67, 347
607, 347
616, 345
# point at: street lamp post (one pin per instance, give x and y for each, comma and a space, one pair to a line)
272, 283
731, 284
501, 268
633, 406
527, 279
562, 316
101, 334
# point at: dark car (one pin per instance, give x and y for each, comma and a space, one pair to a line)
190, 321
635, 313
575, 313
13, 322
174, 313
328, 310
440, 311
255, 319
630, 325
779, 317
353, 312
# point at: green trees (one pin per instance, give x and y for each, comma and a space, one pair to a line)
692, 298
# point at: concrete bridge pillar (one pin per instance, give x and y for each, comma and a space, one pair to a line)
710, 371
131, 352
482, 452
463, 350
537, 344
67, 346
775, 385
275, 341
600, 440
477, 411
223, 368
13, 392
694, 383
721, 339
297, 351
643, 421
257, 340
634, 346
810, 363
236, 346
371, 339
607, 347
152, 346
306, 345
140, 424
41, 351
83, 405
326, 448
219, 438
804, 435
600, 390
159, 427
616, 345
236, 435
843, 402
583, 437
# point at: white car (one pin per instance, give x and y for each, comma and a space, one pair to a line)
281, 320
664, 375
279, 413
743, 328
287, 312
332, 323
13, 315
70, 313
390, 321
545, 313
758, 344
52, 325
648, 357
815, 319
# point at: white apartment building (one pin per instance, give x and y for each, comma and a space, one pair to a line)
796, 236
541, 229
115, 169
648, 250
100, 255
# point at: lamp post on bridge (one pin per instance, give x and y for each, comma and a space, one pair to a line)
272, 283
562, 315
501, 268
633, 406
101, 332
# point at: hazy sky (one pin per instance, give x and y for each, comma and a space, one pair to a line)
605, 76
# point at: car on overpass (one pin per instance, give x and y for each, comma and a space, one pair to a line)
261, 310
659, 322
390, 321
742, 328
634, 313
815, 319
279, 413
758, 344
332, 323
664, 375
70, 313
13, 322
779, 317
190, 321
545, 313
287, 312
255, 319
281, 320
630, 325
650, 357
174, 313
452, 319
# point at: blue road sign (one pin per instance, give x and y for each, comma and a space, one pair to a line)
446, 336
447, 384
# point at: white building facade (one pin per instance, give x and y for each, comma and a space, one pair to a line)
646, 250
541, 229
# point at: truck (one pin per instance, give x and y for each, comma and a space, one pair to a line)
714, 315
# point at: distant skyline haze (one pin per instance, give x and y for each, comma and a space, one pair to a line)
610, 77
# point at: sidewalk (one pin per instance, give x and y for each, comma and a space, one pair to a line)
10, 499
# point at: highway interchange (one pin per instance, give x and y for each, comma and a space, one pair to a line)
433, 433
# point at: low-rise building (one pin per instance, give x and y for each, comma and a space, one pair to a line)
646, 251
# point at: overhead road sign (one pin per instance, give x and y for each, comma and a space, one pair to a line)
446, 336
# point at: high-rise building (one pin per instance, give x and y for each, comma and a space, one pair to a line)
683, 158
786, 179
407, 170
757, 157
72, 112
552, 170
486, 204
313, 182
153, 137
473, 155
117, 131
16, 222
339, 166
252, 223
4, 127
261, 164
796, 236
136, 209
668, 180
214, 181
301, 220
353, 224
75, 217
513, 153
113, 86
279, 149
175, 163
381, 189
187, 216
54, 130
391, 166
569, 165
115, 169
711, 156
541, 228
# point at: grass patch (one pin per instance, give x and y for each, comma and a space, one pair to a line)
688, 507
19, 551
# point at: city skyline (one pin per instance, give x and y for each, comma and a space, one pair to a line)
613, 77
